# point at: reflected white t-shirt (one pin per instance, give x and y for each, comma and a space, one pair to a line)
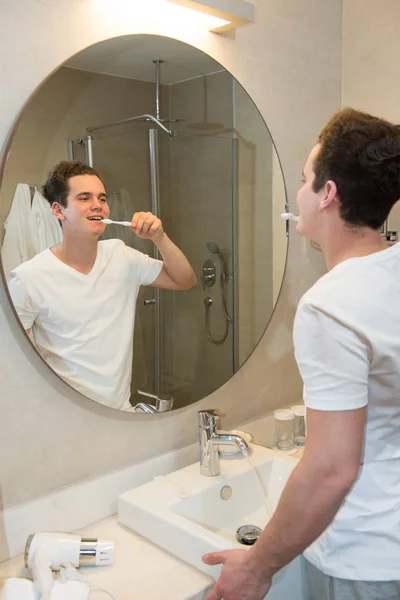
83, 324
347, 346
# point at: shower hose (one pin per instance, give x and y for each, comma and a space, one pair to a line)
208, 303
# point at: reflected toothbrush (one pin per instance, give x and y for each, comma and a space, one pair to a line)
109, 221
289, 217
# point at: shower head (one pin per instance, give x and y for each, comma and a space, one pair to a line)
213, 247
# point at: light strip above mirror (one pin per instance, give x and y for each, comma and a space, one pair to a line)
233, 13
173, 15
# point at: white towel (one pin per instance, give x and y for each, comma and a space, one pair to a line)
70, 590
18, 245
18, 588
46, 230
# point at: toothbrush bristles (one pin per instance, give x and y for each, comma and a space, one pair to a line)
289, 217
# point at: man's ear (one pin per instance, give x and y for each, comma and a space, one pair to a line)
57, 211
330, 195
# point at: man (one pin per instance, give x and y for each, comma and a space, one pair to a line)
79, 296
342, 502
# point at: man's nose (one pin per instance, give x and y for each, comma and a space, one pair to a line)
96, 202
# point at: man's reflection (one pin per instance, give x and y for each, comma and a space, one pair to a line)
78, 297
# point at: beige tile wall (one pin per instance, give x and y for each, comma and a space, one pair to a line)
371, 56
289, 60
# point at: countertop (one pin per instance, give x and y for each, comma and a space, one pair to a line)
141, 570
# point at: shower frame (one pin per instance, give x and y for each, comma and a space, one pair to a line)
87, 143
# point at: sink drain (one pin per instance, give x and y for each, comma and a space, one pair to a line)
226, 492
248, 534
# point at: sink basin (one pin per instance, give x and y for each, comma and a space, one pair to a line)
186, 514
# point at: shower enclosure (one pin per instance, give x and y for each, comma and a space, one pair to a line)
189, 181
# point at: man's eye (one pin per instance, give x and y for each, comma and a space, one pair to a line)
103, 200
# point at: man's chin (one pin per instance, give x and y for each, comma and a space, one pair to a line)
97, 228
304, 233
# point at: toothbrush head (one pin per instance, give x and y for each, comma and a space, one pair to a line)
289, 217
106, 221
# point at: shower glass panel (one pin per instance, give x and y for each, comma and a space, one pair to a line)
197, 207
197, 175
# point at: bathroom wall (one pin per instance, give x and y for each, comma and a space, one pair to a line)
289, 61
371, 56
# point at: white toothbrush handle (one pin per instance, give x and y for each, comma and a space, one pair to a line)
124, 223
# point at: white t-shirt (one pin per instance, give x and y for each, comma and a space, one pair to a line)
347, 346
83, 324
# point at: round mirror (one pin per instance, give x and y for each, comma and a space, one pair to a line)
169, 132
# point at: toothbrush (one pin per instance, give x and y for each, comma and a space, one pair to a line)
109, 221
289, 217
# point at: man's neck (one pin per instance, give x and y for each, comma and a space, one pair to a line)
343, 243
78, 252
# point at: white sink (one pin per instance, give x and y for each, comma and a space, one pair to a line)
184, 513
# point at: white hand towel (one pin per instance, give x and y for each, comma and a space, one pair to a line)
70, 590
46, 230
18, 588
18, 245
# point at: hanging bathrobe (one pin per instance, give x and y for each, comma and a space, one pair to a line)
46, 230
18, 245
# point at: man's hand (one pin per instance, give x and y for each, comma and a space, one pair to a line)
147, 226
239, 580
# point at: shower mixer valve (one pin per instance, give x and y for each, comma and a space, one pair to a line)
208, 273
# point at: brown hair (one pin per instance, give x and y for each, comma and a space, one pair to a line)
361, 154
56, 188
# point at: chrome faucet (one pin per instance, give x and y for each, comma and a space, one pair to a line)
210, 439
164, 402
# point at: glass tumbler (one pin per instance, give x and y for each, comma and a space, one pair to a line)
299, 411
284, 428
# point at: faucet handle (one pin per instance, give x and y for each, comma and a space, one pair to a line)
164, 402
208, 418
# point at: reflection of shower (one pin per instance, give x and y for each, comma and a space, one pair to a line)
147, 117
187, 151
225, 276
129, 120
